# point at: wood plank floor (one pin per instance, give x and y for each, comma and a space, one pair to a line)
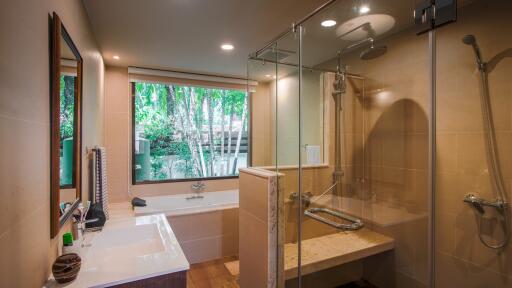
211, 274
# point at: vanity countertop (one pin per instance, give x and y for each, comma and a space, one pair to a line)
126, 250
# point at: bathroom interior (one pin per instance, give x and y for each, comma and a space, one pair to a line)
319, 143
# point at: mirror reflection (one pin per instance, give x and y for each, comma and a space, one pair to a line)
68, 89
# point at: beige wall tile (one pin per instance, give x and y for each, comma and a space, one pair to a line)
253, 235
453, 272
447, 150
207, 249
204, 225
117, 163
253, 197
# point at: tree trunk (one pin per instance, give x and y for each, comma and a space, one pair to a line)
185, 127
171, 101
222, 106
231, 115
196, 130
209, 105
239, 139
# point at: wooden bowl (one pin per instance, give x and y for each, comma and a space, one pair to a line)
66, 267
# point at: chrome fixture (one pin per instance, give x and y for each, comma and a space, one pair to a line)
355, 223
371, 52
471, 40
313, 213
480, 203
306, 198
197, 187
339, 90
340, 86
501, 204
476, 202
82, 230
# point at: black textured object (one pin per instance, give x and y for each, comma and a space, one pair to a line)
138, 202
66, 267
95, 212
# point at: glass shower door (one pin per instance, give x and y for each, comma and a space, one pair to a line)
370, 192
474, 140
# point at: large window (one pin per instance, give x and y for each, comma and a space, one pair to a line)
187, 132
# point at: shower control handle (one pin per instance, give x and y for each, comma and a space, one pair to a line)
480, 203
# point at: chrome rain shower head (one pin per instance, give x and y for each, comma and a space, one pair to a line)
373, 52
370, 53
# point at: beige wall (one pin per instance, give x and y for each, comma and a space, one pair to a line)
266, 103
118, 143
117, 132
261, 121
26, 248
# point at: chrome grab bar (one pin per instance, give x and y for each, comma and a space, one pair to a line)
355, 223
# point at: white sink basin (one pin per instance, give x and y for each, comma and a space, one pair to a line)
125, 242
127, 250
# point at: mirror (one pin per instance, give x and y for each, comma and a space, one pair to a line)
66, 92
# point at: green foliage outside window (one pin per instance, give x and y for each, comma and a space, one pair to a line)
67, 114
192, 132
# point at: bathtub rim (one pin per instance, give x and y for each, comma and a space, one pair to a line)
188, 210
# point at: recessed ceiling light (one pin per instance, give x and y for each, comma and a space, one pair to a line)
227, 46
115, 57
364, 9
328, 23
268, 75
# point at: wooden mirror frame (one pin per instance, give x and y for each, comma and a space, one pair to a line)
58, 32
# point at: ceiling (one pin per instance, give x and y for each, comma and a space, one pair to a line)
185, 35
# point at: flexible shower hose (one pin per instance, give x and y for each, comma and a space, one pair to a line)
492, 158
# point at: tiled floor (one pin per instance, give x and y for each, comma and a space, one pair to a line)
211, 274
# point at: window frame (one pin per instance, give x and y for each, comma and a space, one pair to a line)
146, 182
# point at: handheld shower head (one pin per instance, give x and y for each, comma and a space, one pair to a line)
471, 40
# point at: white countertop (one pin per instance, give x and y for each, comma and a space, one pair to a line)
126, 250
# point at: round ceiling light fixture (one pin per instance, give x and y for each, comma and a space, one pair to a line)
227, 47
116, 57
328, 23
364, 9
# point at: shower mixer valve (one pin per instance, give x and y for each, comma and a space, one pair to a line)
479, 203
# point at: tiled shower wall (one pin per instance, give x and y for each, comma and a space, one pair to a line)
461, 259
396, 150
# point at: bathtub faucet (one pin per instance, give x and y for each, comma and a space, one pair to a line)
197, 188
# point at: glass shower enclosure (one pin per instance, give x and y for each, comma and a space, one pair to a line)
392, 146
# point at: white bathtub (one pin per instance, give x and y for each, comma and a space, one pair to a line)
172, 205
206, 228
